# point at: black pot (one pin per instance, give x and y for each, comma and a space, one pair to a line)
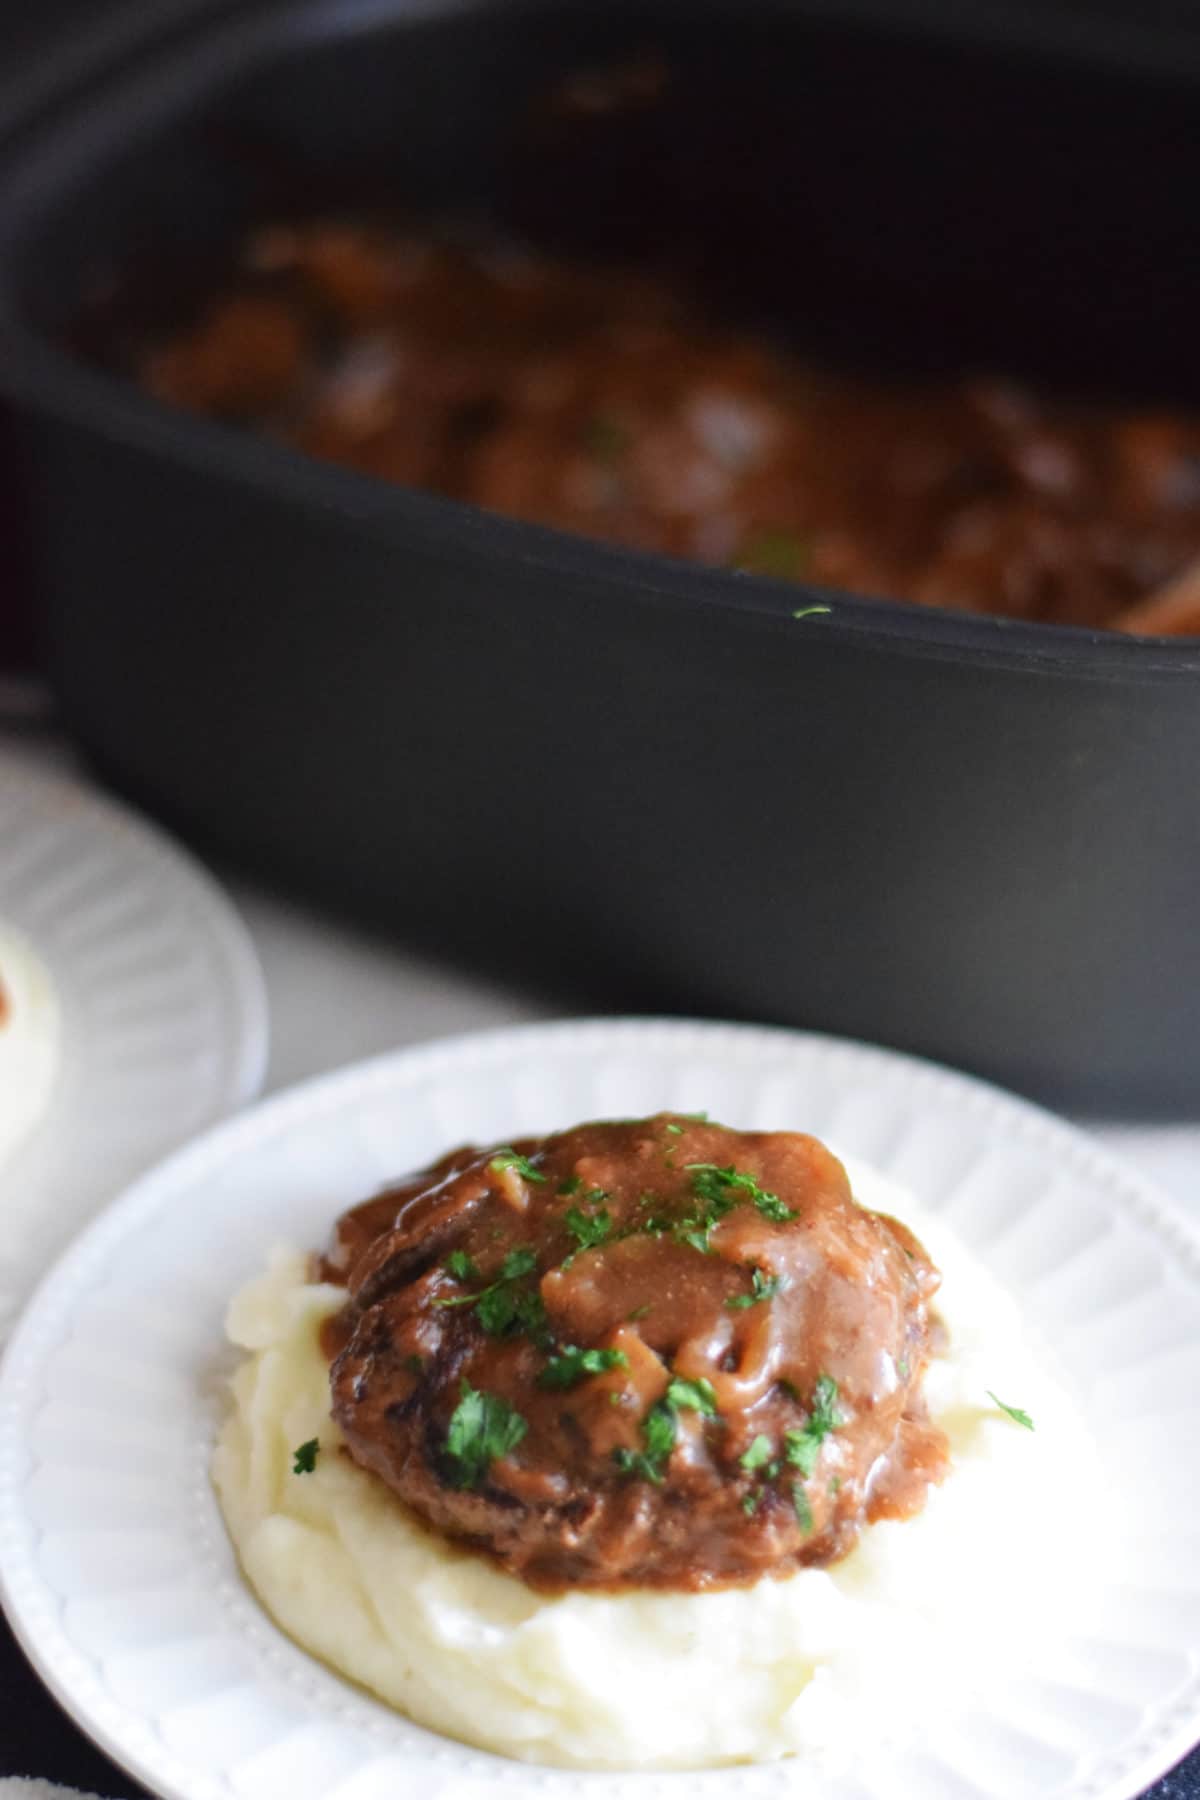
967, 837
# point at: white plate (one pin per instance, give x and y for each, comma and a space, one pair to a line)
117, 1574
162, 1026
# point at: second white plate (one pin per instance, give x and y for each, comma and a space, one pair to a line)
121, 1584
162, 1015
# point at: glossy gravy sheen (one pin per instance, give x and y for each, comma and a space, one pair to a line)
758, 1393
609, 404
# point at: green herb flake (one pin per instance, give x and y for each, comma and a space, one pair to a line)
675, 1130
749, 1505
639, 1312
762, 1287
802, 1447
414, 1364
304, 1459
1014, 1412
902, 1368
658, 1437
660, 1426
508, 1309
709, 1181
803, 1509
462, 1266
605, 438
713, 1199
571, 1185
497, 1309
518, 1263
502, 1307
696, 1396
811, 612
758, 1453
482, 1428
825, 1415
571, 1364
590, 1229
508, 1159
774, 552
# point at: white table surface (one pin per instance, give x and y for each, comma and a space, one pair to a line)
337, 995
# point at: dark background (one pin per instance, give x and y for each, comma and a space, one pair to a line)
35, 1737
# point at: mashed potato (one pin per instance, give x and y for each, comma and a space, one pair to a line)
919, 1610
28, 1041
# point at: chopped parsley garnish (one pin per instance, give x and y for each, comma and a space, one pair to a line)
482, 1428
590, 1229
750, 1504
1014, 1412
825, 1415
502, 1306
414, 1364
810, 612
713, 1199
902, 1368
713, 1185
506, 1308
675, 1130
709, 1182
605, 438
778, 553
658, 1437
758, 1453
696, 1396
762, 1287
802, 1448
571, 1185
660, 1425
304, 1459
518, 1263
508, 1159
639, 1312
803, 1509
462, 1266
571, 1364
772, 1207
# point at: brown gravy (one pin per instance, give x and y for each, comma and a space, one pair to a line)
609, 405
652, 1353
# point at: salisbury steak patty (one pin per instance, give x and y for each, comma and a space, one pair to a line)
656, 1353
